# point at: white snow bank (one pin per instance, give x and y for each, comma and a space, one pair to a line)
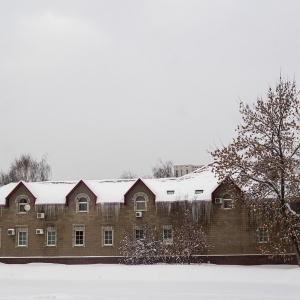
160, 282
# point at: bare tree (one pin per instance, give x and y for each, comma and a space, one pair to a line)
164, 169
264, 161
26, 168
128, 175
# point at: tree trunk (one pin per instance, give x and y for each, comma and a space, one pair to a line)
297, 251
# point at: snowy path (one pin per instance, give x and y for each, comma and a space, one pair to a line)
162, 282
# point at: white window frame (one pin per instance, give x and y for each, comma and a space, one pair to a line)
139, 229
78, 228
78, 203
263, 235
136, 201
19, 205
104, 240
224, 201
165, 231
22, 229
51, 229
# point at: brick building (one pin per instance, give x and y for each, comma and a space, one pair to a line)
85, 221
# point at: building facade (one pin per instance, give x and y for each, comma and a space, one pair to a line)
85, 221
181, 170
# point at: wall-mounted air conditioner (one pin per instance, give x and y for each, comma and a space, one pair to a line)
10, 232
218, 200
40, 215
39, 231
138, 214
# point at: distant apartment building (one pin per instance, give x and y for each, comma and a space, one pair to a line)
181, 170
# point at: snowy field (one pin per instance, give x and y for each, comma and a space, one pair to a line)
159, 282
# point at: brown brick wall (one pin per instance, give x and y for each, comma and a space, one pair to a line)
228, 231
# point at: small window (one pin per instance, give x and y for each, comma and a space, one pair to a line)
82, 203
140, 203
107, 232
79, 236
198, 191
227, 203
51, 236
139, 234
23, 205
22, 237
167, 234
263, 235
170, 192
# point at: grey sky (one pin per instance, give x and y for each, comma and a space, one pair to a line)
108, 86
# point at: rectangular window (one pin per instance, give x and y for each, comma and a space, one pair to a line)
140, 205
198, 191
167, 234
51, 236
227, 203
79, 235
22, 237
107, 233
263, 235
170, 192
139, 233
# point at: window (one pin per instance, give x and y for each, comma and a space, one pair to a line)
22, 237
198, 191
79, 235
107, 233
167, 234
82, 203
263, 235
227, 202
23, 204
51, 236
170, 192
140, 202
139, 233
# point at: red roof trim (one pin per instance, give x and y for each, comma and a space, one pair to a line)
21, 183
75, 187
139, 180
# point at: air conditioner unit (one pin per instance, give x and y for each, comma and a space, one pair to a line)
10, 232
40, 215
218, 200
39, 231
138, 214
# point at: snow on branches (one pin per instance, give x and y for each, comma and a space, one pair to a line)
263, 160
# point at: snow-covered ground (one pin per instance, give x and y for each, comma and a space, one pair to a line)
159, 282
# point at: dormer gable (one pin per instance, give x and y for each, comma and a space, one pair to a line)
78, 189
141, 183
20, 189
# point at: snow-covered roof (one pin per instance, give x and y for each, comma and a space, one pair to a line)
197, 185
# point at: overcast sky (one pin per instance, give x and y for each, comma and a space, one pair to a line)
107, 86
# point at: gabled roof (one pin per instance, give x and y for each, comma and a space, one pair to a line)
74, 188
113, 191
138, 181
16, 187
